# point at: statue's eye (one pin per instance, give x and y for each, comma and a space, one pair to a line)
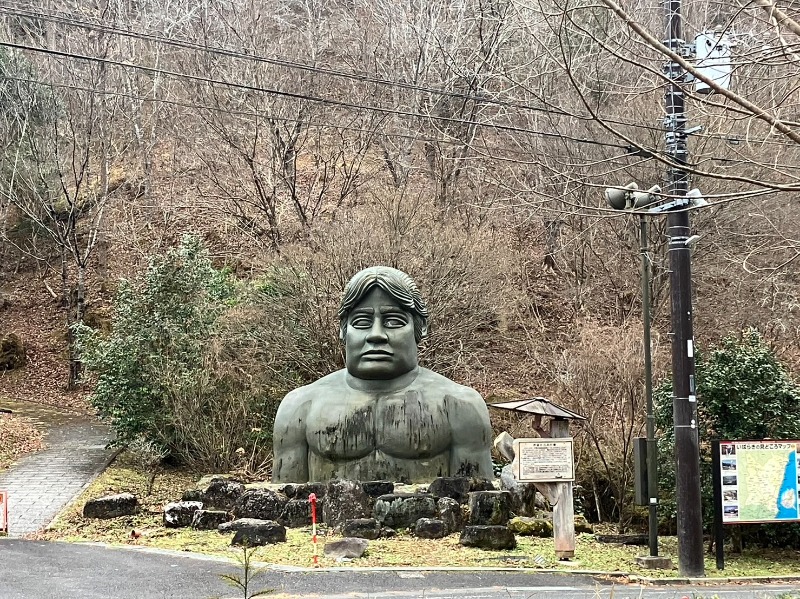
395, 321
361, 322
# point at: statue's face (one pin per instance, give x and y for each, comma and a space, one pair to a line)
379, 341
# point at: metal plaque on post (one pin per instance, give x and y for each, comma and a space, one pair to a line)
543, 460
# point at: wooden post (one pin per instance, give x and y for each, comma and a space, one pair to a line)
563, 508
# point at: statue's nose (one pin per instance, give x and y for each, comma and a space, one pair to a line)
377, 332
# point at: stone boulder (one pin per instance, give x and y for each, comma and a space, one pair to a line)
345, 500
261, 504
531, 527
488, 537
582, 525
303, 490
209, 519
297, 513
430, 528
192, 495
111, 506
180, 514
376, 488
526, 500
346, 548
288, 489
13, 353
504, 444
236, 525
264, 533
362, 528
489, 507
400, 510
454, 487
481, 484
449, 511
222, 493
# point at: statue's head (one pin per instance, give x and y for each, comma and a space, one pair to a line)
382, 319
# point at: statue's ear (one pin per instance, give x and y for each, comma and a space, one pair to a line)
423, 332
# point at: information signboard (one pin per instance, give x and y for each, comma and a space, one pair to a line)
543, 460
758, 481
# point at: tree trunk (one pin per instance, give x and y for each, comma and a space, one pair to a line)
75, 312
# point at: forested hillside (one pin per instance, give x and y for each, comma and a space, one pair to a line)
467, 142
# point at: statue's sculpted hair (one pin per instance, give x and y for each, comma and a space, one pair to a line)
397, 284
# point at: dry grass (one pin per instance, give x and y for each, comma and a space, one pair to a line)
404, 550
18, 436
124, 475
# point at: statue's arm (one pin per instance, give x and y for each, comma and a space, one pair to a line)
289, 445
472, 437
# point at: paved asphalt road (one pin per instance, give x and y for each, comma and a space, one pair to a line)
44, 570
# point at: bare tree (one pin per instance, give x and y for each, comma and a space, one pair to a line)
281, 126
62, 185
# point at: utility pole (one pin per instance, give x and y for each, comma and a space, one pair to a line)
684, 401
652, 449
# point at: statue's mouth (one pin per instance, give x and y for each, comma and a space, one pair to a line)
377, 354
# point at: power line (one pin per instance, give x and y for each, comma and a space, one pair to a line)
14, 9
233, 111
299, 96
599, 212
361, 77
735, 140
630, 150
318, 125
311, 124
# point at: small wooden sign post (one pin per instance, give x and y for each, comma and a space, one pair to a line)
547, 462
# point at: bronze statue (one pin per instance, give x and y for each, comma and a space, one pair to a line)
383, 417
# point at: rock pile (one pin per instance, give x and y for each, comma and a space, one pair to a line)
361, 511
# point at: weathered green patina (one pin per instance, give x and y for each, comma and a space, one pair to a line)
383, 417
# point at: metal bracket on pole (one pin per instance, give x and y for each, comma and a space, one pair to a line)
673, 121
675, 72
681, 47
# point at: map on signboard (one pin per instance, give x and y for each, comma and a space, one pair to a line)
759, 481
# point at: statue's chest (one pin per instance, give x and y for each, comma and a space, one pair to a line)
400, 425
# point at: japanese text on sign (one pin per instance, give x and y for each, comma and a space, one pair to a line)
543, 460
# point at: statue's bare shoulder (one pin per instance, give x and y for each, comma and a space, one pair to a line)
468, 411
290, 445
470, 427
290, 420
453, 391
330, 383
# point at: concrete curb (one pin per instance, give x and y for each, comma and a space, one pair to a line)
279, 568
633, 578
286, 568
715, 580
